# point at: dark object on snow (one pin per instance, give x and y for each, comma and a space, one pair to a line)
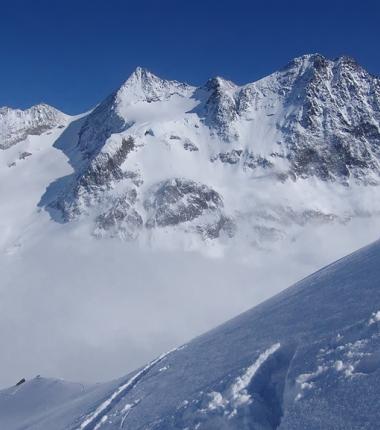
149, 132
21, 381
24, 154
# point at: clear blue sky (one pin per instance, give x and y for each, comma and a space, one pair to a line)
73, 53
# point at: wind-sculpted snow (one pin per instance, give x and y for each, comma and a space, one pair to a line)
307, 358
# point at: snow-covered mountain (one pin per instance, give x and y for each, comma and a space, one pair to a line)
307, 358
149, 150
209, 188
159, 156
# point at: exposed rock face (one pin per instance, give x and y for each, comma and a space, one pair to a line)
219, 110
103, 121
245, 158
325, 114
334, 133
105, 167
190, 146
232, 157
178, 201
16, 125
90, 186
121, 219
24, 154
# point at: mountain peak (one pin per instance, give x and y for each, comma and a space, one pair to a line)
142, 80
142, 74
44, 105
143, 85
318, 61
307, 62
220, 83
310, 57
347, 61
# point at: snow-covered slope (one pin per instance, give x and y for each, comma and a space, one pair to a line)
307, 358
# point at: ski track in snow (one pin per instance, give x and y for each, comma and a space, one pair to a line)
99, 416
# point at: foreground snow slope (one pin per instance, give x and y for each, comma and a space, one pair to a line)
307, 358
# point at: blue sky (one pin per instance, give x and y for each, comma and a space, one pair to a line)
72, 54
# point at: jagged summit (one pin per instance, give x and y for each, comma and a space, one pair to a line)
219, 82
318, 62
305, 61
142, 74
346, 59
309, 58
143, 85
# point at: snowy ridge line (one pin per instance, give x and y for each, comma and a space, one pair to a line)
99, 415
